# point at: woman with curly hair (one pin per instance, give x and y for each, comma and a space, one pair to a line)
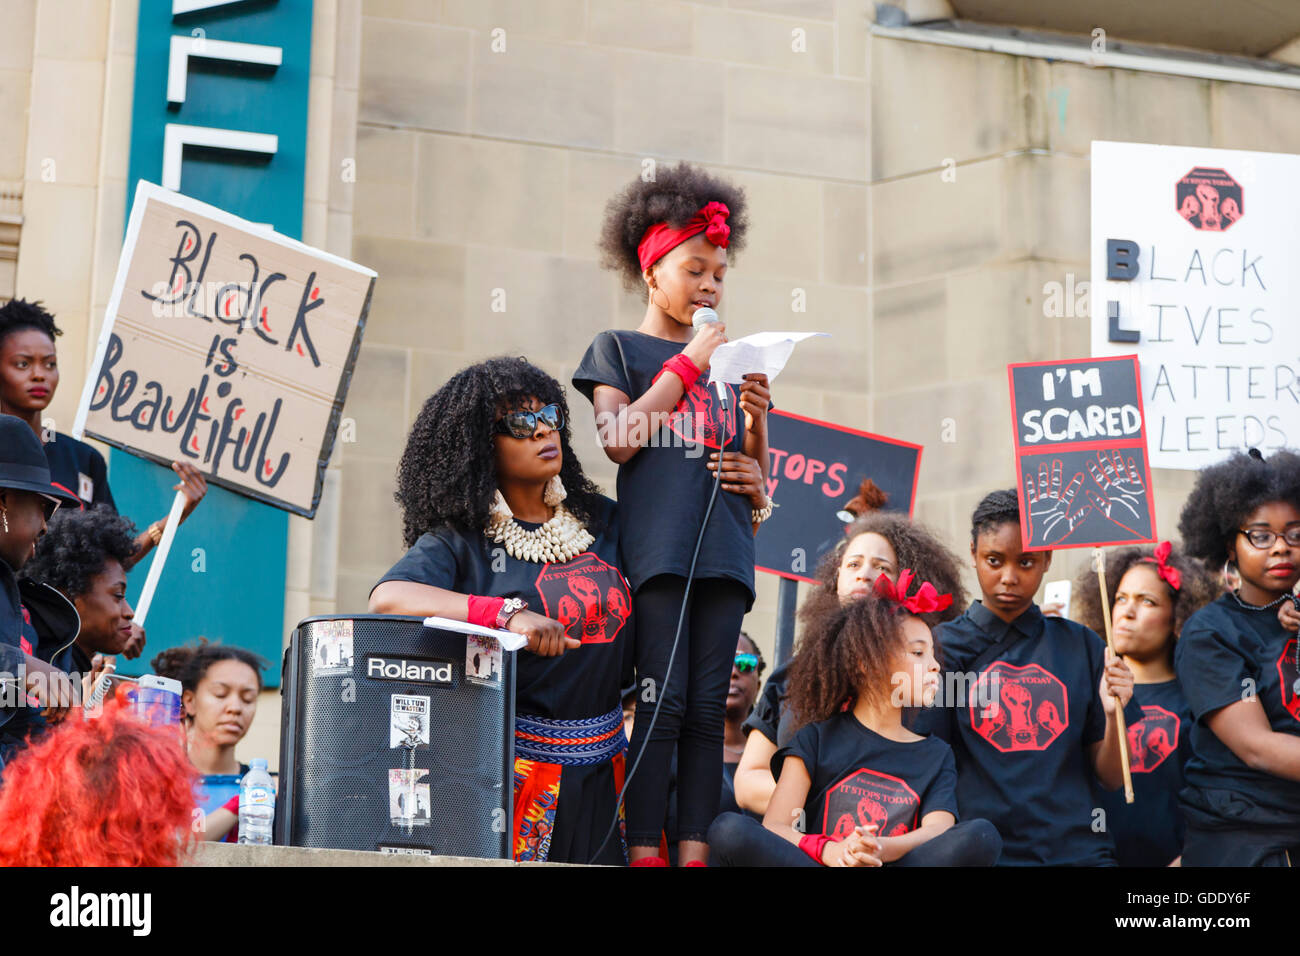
505, 530
1152, 593
83, 557
220, 685
1237, 665
855, 787
107, 792
879, 544
670, 239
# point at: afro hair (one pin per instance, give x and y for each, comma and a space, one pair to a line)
189, 664
1225, 495
1196, 589
448, 475
78, 546
20, 314
674, 195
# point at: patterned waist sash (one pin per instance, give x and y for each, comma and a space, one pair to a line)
570, 743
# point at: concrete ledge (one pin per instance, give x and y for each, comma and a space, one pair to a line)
233, 854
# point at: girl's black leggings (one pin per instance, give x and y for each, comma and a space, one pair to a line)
690, 702
737, 840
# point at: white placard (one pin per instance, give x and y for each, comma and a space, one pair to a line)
1214, 298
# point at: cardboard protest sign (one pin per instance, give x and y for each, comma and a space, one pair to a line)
1081, 453
227, 345
816, 467
1193, 254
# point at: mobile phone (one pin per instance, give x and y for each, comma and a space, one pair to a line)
1057, 592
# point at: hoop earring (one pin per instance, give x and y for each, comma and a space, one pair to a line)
662, 308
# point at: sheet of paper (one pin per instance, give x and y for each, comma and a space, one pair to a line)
761, 352
508, 640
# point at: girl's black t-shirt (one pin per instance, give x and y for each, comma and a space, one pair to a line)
663, 490
1149, 831
770, 716
860, 777
1227, 653
588, 593
80, 470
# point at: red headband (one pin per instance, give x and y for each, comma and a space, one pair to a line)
1170, 575
659, 238
926, 600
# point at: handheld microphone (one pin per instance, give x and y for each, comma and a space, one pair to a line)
701, 318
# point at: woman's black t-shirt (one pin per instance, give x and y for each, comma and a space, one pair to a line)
770, 716
1024, 713
860, 777
663, 490
80, 470
1227, 653
1149, 831
587, 593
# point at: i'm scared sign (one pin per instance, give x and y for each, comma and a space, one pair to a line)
228, 346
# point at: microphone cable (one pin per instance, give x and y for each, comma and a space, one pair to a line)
681, 618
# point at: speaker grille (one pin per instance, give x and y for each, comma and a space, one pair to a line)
337, 737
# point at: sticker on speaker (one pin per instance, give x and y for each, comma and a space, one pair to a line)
408, 799
482, 660
331, 648
408, 724
398, 849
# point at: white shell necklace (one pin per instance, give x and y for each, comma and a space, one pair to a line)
560, 539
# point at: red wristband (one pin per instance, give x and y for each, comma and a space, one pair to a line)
814, 844
483, 611
681, 366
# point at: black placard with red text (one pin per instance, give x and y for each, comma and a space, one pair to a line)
816, 468
1081, 453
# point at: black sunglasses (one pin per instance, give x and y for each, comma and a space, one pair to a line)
521, 424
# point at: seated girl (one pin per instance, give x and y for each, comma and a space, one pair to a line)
855, 787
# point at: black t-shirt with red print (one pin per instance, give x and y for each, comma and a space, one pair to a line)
860, 778
1149, 831
588, 594
1022, 732
663, 490
1227, 653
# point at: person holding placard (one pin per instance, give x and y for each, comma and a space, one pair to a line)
1152, 592
670, 238
1032, 714
1237, 664
29, 377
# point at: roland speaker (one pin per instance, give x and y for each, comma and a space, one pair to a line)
396, 737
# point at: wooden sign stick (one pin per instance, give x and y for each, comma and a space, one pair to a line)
1099, 562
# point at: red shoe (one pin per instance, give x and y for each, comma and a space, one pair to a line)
696, 863
649, 861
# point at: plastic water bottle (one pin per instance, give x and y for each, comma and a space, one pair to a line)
256, 805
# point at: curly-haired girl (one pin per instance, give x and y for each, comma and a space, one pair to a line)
1152, 593
1238, 667
855, 787
669, 237
878, 544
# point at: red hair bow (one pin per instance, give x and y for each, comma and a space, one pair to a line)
711, 219
926, 600
1170, 575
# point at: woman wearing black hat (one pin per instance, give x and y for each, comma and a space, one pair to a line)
27, 501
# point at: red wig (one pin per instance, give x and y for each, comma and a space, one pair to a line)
106, 792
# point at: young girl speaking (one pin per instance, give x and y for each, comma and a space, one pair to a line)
657, 414
855, 787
